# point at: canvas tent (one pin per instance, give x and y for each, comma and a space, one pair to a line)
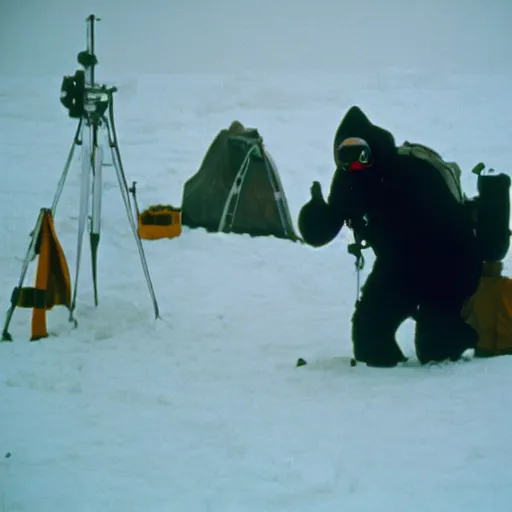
237, 188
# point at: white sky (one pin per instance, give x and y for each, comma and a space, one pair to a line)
240, 35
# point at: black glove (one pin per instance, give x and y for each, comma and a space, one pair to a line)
316, 191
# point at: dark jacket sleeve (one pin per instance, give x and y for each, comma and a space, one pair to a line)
339, 196
320, 221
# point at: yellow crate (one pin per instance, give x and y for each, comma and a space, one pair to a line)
159, 221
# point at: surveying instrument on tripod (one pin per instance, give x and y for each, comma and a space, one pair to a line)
93, 106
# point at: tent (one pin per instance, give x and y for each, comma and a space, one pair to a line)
237, 188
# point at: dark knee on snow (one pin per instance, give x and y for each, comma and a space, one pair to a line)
441, 337
373, 339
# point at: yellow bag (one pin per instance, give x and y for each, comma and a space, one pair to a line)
160, 221
489, 312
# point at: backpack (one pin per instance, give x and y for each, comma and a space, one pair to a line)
489, 210
450, 171
489, 309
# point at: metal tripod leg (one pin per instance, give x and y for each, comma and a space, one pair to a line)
123, 186
31, 251
30, 255
60, 186
84, 210
94, 234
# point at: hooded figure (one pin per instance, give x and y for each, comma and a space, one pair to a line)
427, 261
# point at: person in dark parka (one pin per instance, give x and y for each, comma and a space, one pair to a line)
427, 261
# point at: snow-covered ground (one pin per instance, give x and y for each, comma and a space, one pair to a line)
205, 409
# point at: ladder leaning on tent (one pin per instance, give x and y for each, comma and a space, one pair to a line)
231, 205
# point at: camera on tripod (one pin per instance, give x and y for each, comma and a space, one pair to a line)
72, 94
80, 95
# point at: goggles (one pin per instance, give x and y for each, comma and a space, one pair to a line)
354, 154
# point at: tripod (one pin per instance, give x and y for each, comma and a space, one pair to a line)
93, 105
86, 136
